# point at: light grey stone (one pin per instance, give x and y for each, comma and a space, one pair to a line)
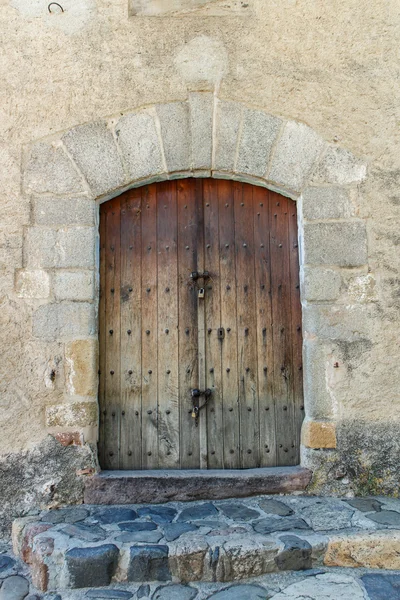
50, 171
275, 507
324, 516
60, 321
63, 211
74, 285
259, 131
321, 284
242, 592
326, 203
140, 145
270, 525
318, 399
39, 248
295, 155
386, 517
323, 587
201, 8
14, 588
85, 532
150, 537
175, 131
343, 244
365, 504
32, 284
228, 119
201, 107
75, 247
339, 324
339, 166
174, 592
94, 150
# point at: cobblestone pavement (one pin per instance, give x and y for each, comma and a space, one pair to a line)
286, 544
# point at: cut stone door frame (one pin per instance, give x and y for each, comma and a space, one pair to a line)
67, 175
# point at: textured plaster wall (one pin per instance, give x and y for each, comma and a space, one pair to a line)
333, 66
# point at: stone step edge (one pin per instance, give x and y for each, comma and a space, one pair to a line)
193, 559
155, 487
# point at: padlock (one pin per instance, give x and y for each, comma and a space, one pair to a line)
194, 415
201, 293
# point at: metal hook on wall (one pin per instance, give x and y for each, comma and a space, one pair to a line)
54, 4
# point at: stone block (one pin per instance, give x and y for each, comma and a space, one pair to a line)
201, 107
39, 248
238, 511
63, 211
200, 511
75, 247
343, 244
32, 284
74, 285
326, 203
77, 414
295, 155
296, 554
317, 358
15, 587
320, 284
270, 525
228, 119
175, 132
258, 134
95, 152
318, 434
49, 170
340, 167
81, 368
149, 563
340, 324
140, 145
65, 320
91, 567
380, 550
158, 514
118, 514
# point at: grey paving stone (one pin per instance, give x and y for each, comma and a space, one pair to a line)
296, 554
115, 515
242, 592
6, 562
65, 515
137, 526
32, 597
284, 524
143, 591
109, 593
274, 507
198, 511
238, 511
323, 587
365, 504
91, 567
85, 532
175, 530
382, 586
159, 514
148, 563
14, 588
325, 517
149, 537
386, 517
174, 592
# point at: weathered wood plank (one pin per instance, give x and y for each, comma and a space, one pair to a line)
149, 415
131, 330
188, 236
168, 355
102, 334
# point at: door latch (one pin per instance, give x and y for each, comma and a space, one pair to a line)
195, 275
196, 408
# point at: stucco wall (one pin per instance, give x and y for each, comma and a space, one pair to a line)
333, 66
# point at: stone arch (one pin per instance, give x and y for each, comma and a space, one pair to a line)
204, 136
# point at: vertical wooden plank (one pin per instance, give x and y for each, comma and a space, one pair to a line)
297, 336
102, 334
261, 215
229, 348
167, 279
246, 325
131, 337
188, 236
149, 416
112, 333
282, 338
213, 322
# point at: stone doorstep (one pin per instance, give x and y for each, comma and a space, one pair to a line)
131, 487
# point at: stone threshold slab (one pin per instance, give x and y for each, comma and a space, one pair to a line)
157, 486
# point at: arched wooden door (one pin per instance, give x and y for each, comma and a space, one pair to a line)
199, 290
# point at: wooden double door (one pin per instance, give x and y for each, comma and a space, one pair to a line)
200, 328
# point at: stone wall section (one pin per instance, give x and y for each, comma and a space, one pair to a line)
68, 175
